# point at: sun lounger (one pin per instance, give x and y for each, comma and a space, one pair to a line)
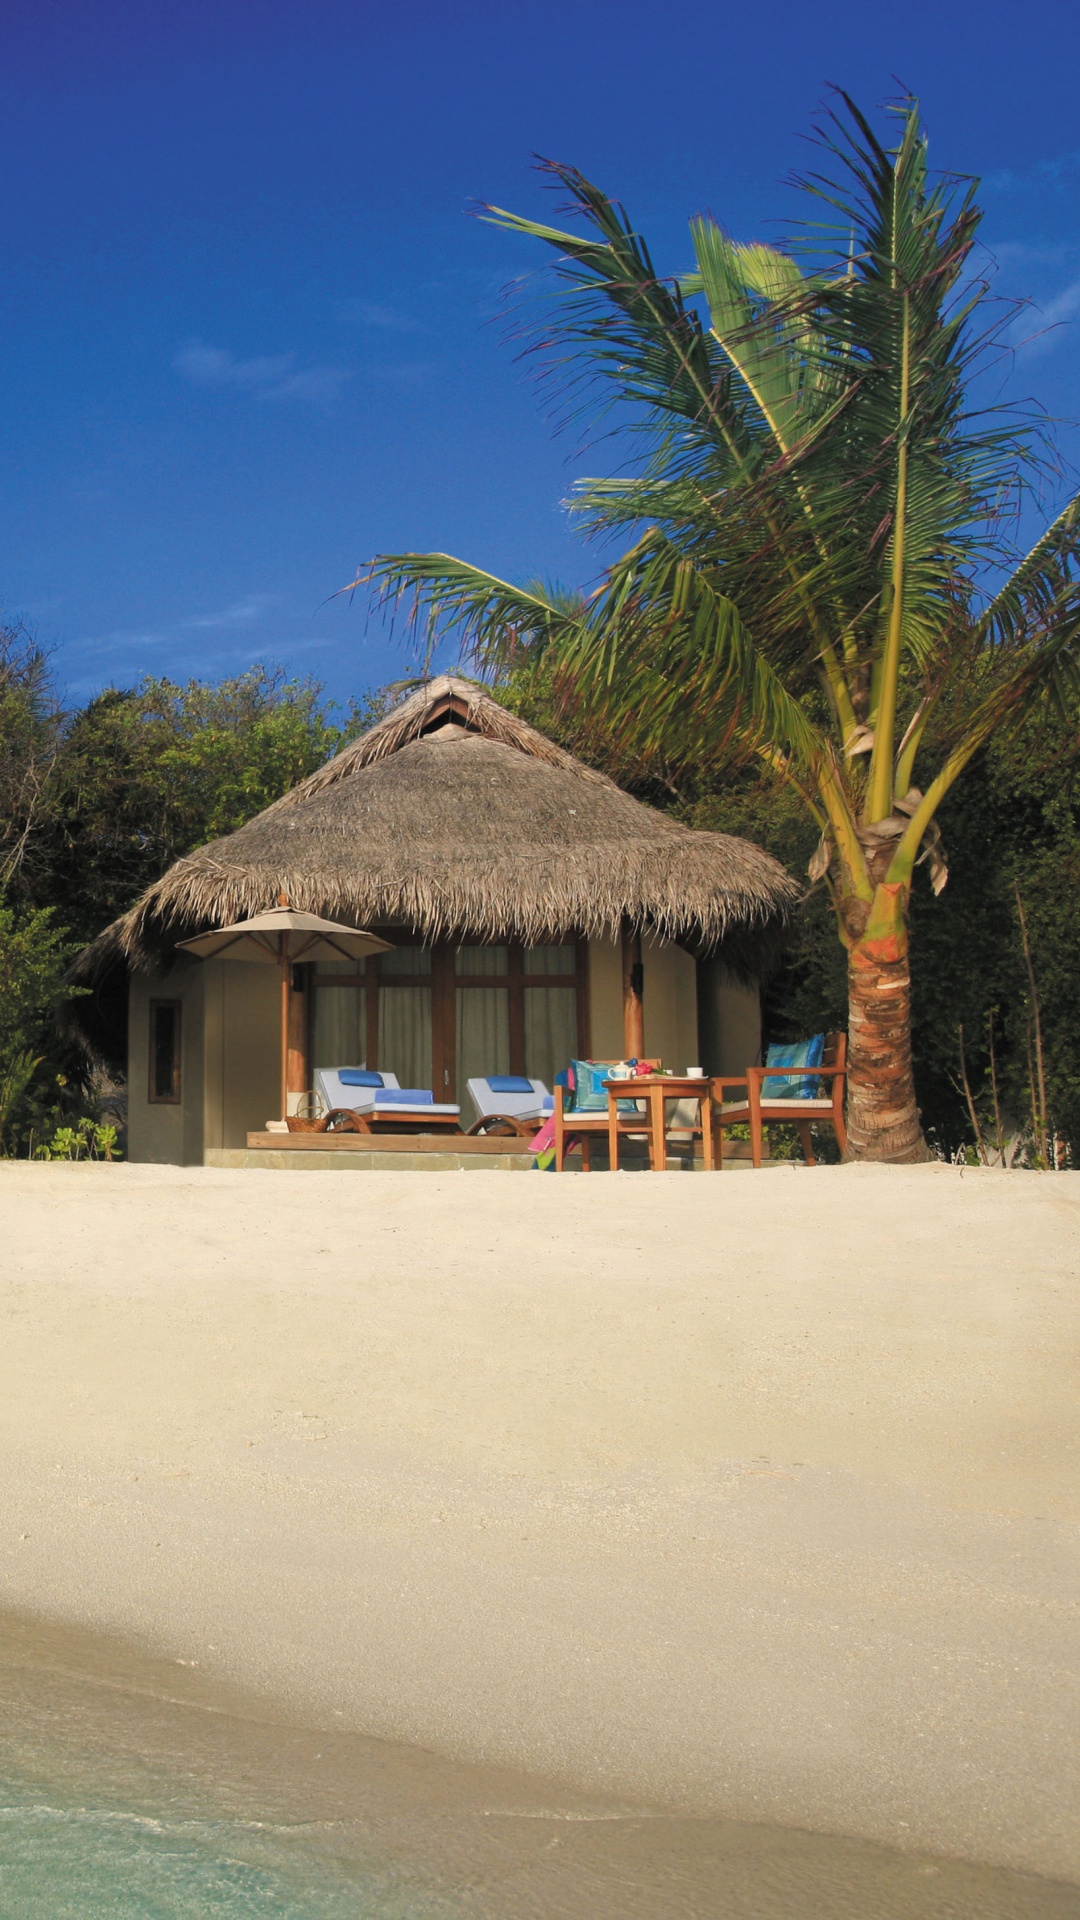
377, 1099
508, 1102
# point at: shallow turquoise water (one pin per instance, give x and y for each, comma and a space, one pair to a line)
131, 1792
63, 1859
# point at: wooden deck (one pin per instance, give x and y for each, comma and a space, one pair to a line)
393, 1152
374, 1153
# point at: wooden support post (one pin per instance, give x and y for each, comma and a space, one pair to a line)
633, 988
298, 1078
443, 1020
283, 970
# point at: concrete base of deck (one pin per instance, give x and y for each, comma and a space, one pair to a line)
413, 1153
378, 1159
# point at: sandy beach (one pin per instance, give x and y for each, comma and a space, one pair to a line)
746, 1496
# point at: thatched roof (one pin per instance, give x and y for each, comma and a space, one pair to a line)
453, 816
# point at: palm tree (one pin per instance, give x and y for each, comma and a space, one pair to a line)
820, 577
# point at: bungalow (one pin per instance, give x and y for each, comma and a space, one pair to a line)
536, 912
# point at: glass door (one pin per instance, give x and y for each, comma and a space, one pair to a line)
403, 1037
439, 1016
481, 1016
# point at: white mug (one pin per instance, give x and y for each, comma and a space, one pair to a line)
695, 1073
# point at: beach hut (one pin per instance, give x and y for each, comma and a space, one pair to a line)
535, 912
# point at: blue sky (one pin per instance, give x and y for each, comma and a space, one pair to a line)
249, 335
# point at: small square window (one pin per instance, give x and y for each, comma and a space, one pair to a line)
165, 1052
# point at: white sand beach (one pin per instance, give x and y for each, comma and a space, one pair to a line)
752, 1496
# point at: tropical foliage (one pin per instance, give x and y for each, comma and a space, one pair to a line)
820, 577
95, 803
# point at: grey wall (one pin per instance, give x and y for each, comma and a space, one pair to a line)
165, 1133
729, 1020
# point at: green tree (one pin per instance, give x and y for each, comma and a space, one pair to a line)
145, 774
94, 805
34, 954
30, 732
820, 579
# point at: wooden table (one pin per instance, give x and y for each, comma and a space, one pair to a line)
657, 1089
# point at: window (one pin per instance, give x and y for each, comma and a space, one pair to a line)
436, 1015
165, 1052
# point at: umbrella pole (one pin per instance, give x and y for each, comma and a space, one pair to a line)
284, 1036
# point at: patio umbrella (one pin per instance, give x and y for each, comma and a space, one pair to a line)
282, 937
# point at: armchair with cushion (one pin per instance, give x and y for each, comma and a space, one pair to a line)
581, 1108
800, 1086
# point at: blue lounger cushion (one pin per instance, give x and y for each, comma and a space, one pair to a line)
405, 1097
359, 1077
509, 1083
793, 1085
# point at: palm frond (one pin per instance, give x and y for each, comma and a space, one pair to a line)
1030, 596
498, 624
664, 646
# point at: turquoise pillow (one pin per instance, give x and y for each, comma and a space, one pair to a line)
589, 1077
589, 1094
794, 1085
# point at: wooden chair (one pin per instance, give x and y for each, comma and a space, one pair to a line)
802, 1113
574, 1125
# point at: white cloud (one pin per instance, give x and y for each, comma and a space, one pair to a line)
134, 642
1064, 306
367, 313
1055, 172
404, 373
1048, 326
311, 383
242, 613
273, 376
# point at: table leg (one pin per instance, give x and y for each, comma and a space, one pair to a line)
613, 1131
658, 1131
707, 1157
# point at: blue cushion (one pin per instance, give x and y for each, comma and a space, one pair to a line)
793, 1085
589, 1077
589, 1092
405, 1097
359, 1077
509, 1083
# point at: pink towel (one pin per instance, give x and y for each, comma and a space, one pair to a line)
543, 1146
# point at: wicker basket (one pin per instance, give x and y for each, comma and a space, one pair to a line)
309, 1117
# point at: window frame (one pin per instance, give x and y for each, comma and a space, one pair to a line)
444, 980
175, 1098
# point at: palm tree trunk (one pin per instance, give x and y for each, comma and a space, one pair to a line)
882, 1117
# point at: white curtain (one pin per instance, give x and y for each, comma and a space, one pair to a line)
405, 1035
340, 1037
482, 960
550, 1030
483, 1034
561, 959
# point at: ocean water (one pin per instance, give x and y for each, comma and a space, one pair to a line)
67, 1857
130, 1789
64, 1858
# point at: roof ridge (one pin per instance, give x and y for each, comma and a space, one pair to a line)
407, 722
